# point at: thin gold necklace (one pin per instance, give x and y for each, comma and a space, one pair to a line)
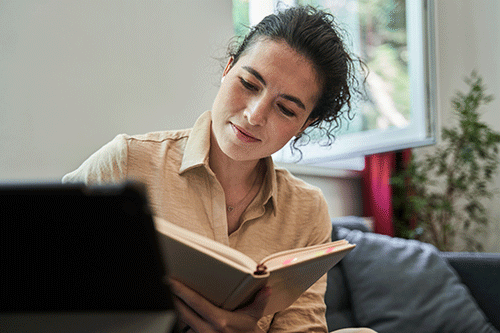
230, 208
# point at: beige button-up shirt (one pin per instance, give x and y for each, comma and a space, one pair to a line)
286, 213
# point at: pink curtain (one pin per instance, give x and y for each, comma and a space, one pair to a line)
377, 191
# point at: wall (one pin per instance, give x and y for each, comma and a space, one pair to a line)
342, 191
73, 74
468, 36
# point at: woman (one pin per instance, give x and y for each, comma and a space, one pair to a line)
289, 74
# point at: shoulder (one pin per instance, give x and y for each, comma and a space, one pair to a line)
300, 199
157, 137
144, 146
125, 154
303, 205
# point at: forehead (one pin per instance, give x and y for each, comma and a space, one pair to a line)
269, 48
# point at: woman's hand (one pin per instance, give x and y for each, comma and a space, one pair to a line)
202, 316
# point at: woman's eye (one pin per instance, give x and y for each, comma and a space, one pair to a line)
248, 85
286, 112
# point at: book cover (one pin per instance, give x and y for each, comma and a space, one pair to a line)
230, 279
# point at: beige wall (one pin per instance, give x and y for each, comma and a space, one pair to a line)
342, 192
73, 74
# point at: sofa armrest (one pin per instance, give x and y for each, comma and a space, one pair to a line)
480, 272
352, 223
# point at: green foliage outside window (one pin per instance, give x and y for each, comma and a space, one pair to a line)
241, 20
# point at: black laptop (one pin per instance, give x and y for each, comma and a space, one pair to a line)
81, 259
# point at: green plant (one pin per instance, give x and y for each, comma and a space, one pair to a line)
440, 197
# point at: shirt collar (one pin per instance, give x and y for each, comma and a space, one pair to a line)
198, 144
197, 150
270, 186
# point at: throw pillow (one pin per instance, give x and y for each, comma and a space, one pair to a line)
400, 285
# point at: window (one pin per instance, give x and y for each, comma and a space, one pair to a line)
394, 38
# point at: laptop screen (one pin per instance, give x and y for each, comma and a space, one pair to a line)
75, 248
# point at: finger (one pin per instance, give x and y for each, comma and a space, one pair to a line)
192, 299
219, 319
211, 315
194, 322
205, 312
183, 327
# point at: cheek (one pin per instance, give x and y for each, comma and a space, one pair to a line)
283, 132
228, 99
235, 98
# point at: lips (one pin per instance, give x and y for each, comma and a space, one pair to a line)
243, 135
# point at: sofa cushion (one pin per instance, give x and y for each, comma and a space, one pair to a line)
400, 285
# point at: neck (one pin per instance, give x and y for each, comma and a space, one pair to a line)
240, 181
231, 173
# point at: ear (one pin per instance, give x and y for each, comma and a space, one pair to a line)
228, 67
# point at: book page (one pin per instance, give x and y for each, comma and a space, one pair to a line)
295, 256
289, 279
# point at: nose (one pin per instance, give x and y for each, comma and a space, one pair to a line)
257, 112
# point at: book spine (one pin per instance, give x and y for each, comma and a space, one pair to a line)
245, 291
261, 270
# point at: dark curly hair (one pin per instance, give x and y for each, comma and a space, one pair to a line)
314, 34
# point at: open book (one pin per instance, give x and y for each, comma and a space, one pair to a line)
230, 279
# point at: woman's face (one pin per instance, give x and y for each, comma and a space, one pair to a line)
264, 100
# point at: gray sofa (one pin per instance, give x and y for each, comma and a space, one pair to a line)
398, 285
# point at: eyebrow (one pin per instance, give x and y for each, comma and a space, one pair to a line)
285, 96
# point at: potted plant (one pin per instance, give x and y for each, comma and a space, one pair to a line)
440, 198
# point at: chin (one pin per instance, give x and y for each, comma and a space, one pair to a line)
242, 157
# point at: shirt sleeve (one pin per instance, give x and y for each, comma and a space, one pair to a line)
307, 314
107, 165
